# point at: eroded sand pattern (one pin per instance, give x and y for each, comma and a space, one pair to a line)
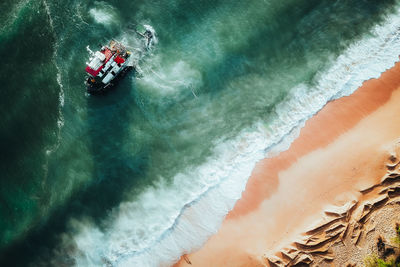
348, 233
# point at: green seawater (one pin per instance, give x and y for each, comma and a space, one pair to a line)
218, 67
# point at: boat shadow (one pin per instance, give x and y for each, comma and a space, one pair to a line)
116, 168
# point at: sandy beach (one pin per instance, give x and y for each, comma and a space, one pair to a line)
305, 204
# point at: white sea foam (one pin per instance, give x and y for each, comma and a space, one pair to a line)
184, 213
171, 78
149, 232
60, 120
104, 13
101, 16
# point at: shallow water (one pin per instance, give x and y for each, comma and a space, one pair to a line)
95, 180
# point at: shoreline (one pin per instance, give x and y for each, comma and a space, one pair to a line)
283, 186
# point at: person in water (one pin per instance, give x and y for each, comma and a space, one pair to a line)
149, 37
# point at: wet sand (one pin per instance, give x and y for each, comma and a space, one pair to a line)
341, 151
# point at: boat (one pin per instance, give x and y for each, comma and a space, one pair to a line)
107, 66
112, 62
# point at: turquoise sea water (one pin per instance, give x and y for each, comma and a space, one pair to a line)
94, 181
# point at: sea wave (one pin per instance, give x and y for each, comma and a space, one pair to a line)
144, 232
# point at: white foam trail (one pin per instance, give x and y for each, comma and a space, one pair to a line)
149, 232
60, 121
61, 98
